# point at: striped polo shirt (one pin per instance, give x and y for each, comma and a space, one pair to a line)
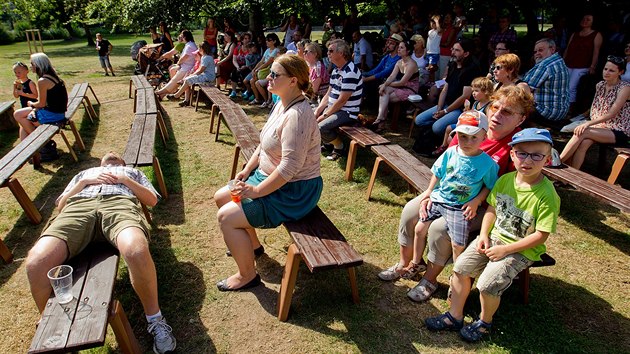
347, 78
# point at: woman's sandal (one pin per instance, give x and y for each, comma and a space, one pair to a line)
475, 331
413, 270
438, 323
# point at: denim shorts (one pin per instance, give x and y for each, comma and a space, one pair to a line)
433, 59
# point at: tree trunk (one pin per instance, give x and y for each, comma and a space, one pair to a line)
88, 34
255, 17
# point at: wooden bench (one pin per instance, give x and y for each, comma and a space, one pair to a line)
140, 150
82, 323
591, 185
416, 173
140, 82
523, 277
6, 115
623, 154
77, 97
363, 137
244, 131
319, 243
146, 102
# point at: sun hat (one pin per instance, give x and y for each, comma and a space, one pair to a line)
471, 122
396, 37
531, 134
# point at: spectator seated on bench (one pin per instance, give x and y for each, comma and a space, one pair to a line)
91, 203
203, 75
281, 182
609, 119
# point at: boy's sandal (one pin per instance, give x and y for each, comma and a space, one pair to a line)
438, 323
475, 331
413, 270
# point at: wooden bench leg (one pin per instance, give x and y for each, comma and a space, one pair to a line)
216, 134
160, 178
130, 82
25, 202
93, 94
213, 112
197, 101
77, 136
135, 95
288, 282
5, 253
65, 139
394, 115
87, 105
413, 121
162, 127
352, 156
237, 151
377, 162
122, 330
523, 284
352, 274
620, 161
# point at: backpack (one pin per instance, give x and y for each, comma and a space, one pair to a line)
49, 152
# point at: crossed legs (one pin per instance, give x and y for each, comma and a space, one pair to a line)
575, 150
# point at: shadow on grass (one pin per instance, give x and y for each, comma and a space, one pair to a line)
589, 214
181, 290
24, 234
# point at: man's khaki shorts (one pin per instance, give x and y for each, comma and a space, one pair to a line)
84, 220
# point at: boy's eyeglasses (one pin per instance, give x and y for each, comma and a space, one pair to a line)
521, 155
274, 74
498, 67
615, 59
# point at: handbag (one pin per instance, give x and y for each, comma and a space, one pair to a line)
263, 73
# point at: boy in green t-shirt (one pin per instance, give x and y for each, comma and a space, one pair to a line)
522, 212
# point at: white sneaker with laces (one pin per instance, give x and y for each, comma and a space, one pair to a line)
391, 273
422, 291
163, 339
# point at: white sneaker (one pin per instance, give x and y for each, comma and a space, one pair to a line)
422, 291
392, 273
163, 339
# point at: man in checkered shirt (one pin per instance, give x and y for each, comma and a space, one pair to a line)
102, 204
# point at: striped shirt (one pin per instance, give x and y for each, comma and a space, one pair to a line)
94, 190
348, 78
549, 79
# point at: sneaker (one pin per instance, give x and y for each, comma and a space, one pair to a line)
254, 102
413, 270
392, 273
251, 97
171, 97
163, 339
232, 94
335, 155
245, 95
264, 104
422, 291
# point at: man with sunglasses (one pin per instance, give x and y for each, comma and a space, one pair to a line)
549, 82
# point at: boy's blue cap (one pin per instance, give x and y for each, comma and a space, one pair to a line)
531, 134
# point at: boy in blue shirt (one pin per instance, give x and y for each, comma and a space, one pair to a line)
462, 178
522, 212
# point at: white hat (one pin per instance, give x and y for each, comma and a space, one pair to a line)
471, 122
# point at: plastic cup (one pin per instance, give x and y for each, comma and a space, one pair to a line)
234, 192
61, 281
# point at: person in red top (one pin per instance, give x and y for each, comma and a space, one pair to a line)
449, 37
508, 110
582, 54
210, 35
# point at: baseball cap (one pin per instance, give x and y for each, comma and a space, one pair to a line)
471, 122
396, 37
531, 134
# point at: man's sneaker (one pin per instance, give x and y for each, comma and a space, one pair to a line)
422, 291
245, 95
233, 94
335, 155
392, 273
163, 339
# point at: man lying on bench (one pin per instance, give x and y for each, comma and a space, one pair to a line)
102, 202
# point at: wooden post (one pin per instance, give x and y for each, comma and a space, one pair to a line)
377, 162
352, 274
29, 208
5, 253
122, 330
30, 36
288, 282
352, 156
617, 167
160, 177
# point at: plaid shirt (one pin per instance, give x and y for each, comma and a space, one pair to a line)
95, 190
549, 79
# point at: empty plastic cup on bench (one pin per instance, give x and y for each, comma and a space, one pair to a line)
234, 192
61, 281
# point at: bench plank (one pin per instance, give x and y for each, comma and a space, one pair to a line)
363, 137
591, 185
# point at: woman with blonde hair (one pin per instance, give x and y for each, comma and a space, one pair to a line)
281, 181
52, 99
318, 73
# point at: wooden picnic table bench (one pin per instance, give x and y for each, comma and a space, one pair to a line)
77, 97
140, 82
244, 131
6, 115
140, 150
82, 323
414, 171
363, 137
319, 243
591, 185
146, 102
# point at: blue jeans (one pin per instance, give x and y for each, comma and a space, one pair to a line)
438, 126
328, 127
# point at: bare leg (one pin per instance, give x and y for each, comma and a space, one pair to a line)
134, 248
420, 240
262, 91
257, 95
233, 225
48, 252
457, 250
460, 288
489, 306
575, 150
26, 126
222, 197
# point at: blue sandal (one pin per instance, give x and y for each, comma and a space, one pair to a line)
474, 333
438, 324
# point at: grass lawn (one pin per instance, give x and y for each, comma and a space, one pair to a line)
579, 305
